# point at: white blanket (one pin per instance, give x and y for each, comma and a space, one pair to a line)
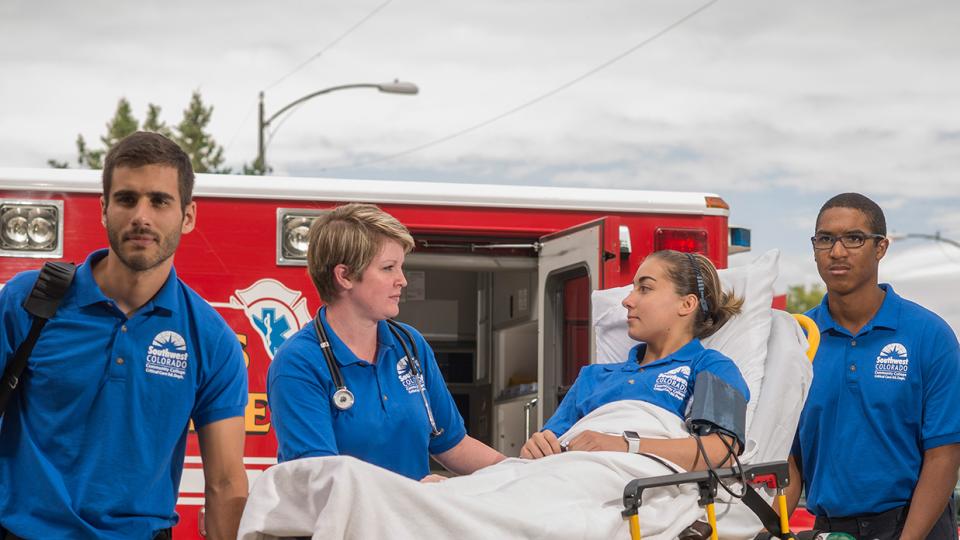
574, 495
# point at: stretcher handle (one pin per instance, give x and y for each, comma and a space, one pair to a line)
813, 334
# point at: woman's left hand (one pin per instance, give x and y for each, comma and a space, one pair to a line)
592, 441
433, 479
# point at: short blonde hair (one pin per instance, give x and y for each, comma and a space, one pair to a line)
351, 235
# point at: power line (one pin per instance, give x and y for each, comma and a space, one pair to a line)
250, 109
303, 64
330, 45
533, 101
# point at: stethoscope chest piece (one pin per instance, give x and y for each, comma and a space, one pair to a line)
343, 399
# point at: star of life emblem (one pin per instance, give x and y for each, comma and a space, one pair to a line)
274, 311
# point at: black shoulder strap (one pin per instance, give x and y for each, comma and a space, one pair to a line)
48, 291
769, 518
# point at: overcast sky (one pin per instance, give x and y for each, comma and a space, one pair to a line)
774, 105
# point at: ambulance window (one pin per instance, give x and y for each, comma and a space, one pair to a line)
576, 327
566, 332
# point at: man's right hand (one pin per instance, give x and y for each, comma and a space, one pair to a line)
541, 444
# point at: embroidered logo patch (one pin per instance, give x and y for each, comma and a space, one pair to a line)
406, 377
167, 355
674, 382
892, 363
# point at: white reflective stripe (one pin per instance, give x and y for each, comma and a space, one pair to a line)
191, 481
190, 501
332, 190
246, 460
260, 460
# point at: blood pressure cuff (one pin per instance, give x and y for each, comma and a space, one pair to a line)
718, 408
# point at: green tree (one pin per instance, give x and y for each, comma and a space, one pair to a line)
256, 168
205, 154
800, 298
122, 124
191, 134
153, 122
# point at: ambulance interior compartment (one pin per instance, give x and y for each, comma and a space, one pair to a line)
480, 315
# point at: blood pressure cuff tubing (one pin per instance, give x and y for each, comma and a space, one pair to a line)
718, 408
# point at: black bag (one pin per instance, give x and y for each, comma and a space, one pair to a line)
48, 291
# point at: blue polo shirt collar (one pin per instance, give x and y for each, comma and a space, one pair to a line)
888, 316
89, 293
688, 352
342, 354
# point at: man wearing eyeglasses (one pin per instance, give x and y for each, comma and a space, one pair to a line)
878, 445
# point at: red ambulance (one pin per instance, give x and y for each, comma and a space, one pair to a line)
499, 281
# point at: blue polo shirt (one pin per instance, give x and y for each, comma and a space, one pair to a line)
879, 399
667, 383
387, 425
92, 444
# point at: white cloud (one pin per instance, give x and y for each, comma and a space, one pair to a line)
786, 100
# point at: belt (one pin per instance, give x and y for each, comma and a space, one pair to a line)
858, 525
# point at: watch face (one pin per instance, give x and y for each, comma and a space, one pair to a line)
631, 434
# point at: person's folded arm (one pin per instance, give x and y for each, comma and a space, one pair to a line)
468, 455
683, 452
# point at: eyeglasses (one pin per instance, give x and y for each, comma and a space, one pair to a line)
849, 241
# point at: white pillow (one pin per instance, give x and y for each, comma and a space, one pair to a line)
743, 338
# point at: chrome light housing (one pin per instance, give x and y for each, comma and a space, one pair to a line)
31, 228
293, 226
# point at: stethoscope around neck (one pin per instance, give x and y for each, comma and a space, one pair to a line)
343, 398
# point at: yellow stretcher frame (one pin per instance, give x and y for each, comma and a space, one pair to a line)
813, 343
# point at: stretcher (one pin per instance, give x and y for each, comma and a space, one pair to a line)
773, 475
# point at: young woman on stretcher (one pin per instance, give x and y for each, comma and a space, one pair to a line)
676, 301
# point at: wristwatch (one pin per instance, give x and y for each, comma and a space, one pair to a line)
633, 441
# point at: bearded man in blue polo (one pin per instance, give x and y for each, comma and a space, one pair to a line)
877, 445
92, 442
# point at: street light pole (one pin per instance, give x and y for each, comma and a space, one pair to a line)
394, 87
259, 163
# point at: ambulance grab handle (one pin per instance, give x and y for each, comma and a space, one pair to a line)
526, 417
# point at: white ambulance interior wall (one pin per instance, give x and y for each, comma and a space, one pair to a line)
515, 358
441, 304
485, 318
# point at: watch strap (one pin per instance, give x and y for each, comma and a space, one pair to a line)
633, 443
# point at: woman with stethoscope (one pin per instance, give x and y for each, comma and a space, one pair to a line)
354, 382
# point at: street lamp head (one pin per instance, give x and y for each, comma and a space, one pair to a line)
398, 87
395, 87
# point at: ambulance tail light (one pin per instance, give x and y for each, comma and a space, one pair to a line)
31, 228
293, 226
685, 240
